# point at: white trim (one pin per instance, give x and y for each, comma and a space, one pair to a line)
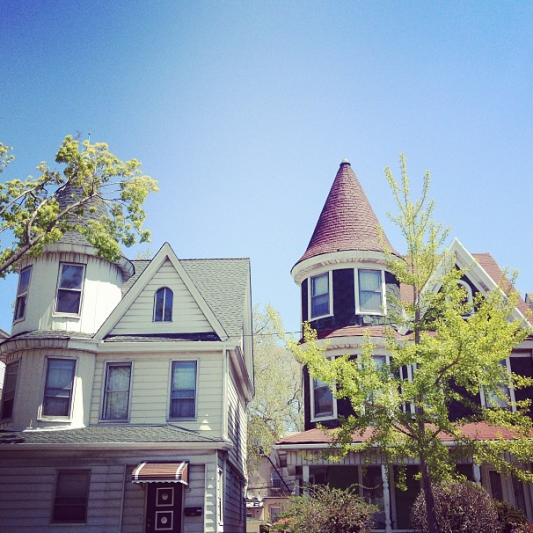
302, 270
106, 365
358, 310
55, 312
196, 395
330, 296
162, 255
57, 418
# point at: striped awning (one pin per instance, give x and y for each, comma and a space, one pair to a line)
161, 473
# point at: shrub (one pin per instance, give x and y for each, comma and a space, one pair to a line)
460, 508
524, 528
327, 510
509, 516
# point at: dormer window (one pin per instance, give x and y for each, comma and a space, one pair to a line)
70, 288
320, 296
22, 294
370, 288
163, 305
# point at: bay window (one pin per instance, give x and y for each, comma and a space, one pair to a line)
58, 388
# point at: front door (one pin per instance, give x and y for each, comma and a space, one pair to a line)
163, 507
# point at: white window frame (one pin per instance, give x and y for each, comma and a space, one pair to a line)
109, 364
321, 418
512, 397
358, 311
67, 417
179, 361
310, 298
469, 297
59, 288
22, 296
163, 318
5, 392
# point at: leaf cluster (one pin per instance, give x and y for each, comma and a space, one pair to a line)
94, 193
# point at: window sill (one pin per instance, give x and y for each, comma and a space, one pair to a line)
114, 421
58, 314
182, 419
323, 418
312, 319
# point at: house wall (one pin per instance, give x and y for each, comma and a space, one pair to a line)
187, 316
150, 388
115, 505
101, 293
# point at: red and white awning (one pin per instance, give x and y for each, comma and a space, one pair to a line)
161, 473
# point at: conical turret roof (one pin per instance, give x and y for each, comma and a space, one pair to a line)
347, 221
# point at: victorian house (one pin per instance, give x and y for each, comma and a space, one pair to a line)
346, 289
125, 392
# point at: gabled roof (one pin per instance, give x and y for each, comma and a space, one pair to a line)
347, 221
219, 286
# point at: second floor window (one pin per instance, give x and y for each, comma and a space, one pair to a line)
320, 291
322, 399
22, 294
10, 386
69, 288
58, 388
117, 391
163, 305
370, 291
183, 390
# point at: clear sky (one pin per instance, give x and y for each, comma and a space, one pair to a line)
244, 110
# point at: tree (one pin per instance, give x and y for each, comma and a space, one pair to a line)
453, 358
277, 407
327, 510
96, 194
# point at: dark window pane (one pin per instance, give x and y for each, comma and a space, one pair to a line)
68, 301
72, 491
71, 277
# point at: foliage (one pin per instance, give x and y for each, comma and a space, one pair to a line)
509, 516
460, 508
327, 510
524, 528
452, 359
96, 194
277, 407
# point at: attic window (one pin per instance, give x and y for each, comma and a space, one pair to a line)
163, 305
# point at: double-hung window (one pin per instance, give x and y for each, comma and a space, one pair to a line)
70, 288
10, 386
58, 388
22, 294
322, 399
320, 295
117, 391
183, 389
71, 496
163, 305
370, 291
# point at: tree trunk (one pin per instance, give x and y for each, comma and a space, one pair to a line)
431, 517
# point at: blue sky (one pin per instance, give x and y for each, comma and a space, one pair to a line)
244, 110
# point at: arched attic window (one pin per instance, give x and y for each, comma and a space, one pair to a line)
469, 300
163, 305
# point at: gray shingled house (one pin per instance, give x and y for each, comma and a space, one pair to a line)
125, 393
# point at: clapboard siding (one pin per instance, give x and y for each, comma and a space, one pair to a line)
187, 317
101, 293
150, 389
26, 498
234, 515
236, 425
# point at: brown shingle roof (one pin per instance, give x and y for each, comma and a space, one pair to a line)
347, 221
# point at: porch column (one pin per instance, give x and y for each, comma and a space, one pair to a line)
386, 498
305, 478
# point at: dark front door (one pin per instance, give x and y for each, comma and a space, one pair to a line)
163, 508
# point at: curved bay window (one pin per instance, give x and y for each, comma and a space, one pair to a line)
163, 305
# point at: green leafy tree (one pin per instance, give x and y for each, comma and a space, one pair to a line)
327, 510
95, 193
277, 407
453, 358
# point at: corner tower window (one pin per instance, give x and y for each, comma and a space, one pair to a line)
163, 305
10, 386
322, 399
70, 288
320, 296
58, 388
22, 294
370, 291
